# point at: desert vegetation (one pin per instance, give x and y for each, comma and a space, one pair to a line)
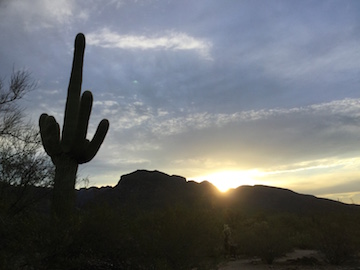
178, 237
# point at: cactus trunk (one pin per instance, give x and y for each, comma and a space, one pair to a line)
64, 192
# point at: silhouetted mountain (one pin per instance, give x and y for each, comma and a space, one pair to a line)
265, 198
149, 189
153, 189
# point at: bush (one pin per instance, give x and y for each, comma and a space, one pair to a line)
266, 240
336, 244
174, 238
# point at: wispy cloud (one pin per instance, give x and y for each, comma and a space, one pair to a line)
135, 114
291, 62
315, 165
345, 110
171, 40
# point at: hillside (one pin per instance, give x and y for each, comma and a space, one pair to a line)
154, 189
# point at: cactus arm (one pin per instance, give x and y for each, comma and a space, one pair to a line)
50, 134
79, 142
93, 146
84, 114
74, 90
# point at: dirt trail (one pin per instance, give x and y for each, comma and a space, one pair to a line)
285, 263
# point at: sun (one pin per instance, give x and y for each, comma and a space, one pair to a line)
225, 180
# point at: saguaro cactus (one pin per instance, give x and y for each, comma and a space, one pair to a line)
72, 148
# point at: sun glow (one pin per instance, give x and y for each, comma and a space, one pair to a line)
225, 180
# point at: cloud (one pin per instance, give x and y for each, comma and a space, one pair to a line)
39, 14
346, 111
169, 41
298, 135
280, 142
324, 164
344, 187
292, 62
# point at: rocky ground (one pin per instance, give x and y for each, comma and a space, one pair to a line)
297, 260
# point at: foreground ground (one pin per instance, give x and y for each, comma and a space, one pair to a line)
297, 260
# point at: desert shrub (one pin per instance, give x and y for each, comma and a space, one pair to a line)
24, 241
266, 240
336, 242
174, 238
182, 237
299, 230
103, 238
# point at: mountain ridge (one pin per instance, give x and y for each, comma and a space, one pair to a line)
143, 189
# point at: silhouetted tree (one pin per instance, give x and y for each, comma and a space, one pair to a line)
11, 115
22, 163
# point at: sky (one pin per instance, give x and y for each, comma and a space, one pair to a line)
234, 92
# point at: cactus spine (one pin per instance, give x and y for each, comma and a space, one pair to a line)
72, 148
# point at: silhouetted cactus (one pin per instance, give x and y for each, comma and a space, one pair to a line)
72, 148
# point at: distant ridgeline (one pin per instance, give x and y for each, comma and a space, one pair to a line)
153, 189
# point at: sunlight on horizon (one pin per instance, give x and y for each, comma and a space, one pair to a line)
225, 180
